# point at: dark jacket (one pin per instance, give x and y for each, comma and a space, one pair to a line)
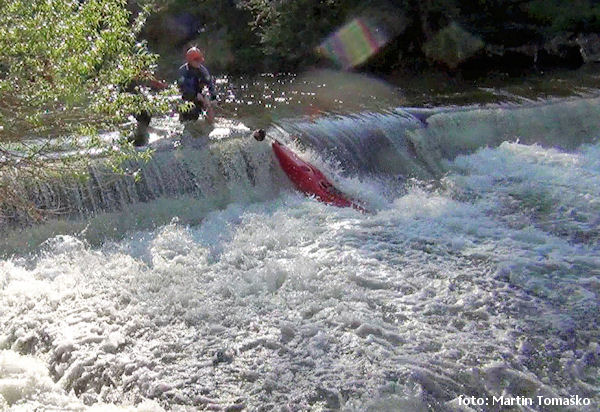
192, 80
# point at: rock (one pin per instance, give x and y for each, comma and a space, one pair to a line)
589, 45
516, 60
288, 332
221, 356
452, 45
560, 51
332, 397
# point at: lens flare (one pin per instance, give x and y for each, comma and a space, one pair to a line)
353, 43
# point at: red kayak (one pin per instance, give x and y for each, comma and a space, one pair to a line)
309, 180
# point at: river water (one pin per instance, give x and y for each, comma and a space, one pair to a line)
212, 284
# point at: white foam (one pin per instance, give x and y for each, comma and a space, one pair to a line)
292, 302
25, 385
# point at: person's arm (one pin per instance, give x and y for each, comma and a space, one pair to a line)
157, 84
208, 81
208, 106
181, 79
149, 79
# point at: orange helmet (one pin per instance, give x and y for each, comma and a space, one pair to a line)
193, 54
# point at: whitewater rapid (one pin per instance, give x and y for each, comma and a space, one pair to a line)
483, 284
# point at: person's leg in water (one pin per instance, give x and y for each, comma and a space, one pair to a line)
190, 115
140, 135
192, 128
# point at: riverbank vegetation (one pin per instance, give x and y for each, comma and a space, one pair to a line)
465, 37
67, 69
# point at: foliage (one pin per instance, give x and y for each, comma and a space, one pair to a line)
452, 45
289, 31
68, 66
561, 15
71, 56
275, 35
219, 27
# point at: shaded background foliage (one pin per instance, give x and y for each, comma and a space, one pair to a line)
281, 35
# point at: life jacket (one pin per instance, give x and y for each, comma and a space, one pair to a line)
192, 80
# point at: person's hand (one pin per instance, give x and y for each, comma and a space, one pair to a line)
158, 84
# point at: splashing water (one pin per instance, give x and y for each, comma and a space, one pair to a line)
478, 277
290, 303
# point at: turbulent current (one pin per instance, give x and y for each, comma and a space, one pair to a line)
473, 282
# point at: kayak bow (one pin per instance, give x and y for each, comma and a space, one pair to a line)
310, 180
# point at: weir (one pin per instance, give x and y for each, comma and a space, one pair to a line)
217, 174
397, 143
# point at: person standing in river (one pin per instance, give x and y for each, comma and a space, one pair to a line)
143, 117
193, 76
